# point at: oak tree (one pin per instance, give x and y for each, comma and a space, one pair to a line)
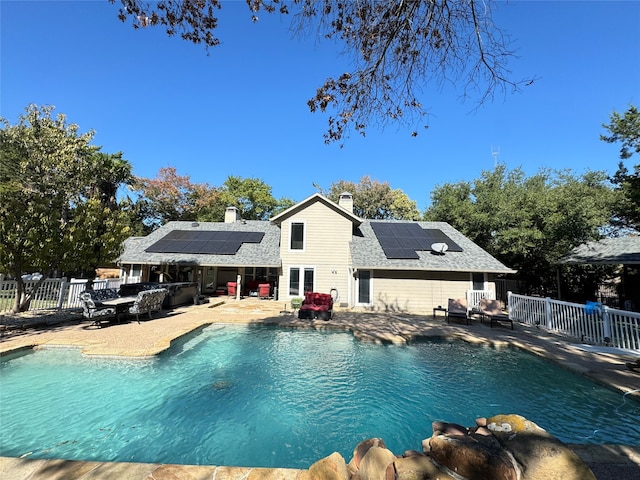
374, 200
528, 223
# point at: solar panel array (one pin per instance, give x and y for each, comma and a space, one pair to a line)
404, 240
204, 242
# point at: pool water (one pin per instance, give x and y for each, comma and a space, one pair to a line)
267, 397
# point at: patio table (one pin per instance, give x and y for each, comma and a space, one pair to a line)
121, 304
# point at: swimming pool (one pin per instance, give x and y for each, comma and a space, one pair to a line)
269, 397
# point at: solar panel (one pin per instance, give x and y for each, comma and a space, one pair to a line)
404, 240
401, 253
439, 236
204, 242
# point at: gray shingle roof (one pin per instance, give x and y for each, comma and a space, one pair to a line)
263, 254
616, 251
366, 252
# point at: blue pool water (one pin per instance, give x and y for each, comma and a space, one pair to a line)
269, 397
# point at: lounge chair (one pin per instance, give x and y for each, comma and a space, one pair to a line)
492, 309
457, 308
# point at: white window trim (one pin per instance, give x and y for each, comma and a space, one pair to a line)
304, 235
301, 284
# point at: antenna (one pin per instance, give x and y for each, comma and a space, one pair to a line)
494, 154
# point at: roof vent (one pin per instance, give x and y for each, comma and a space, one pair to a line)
195, 224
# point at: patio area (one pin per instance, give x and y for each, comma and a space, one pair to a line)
604, 366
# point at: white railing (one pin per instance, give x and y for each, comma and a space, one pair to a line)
595, 324
52, 294
474, 297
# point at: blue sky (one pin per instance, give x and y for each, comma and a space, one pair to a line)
241, 110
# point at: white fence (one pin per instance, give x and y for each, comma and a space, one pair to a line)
53, 293
595, 324
474, 297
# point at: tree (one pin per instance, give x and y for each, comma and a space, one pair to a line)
55, 211
252, 197
397, 50
625, 129
528, 222
107, 219
170, 197
374, 200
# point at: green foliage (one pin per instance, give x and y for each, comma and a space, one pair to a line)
170, 197
527, 222
374, 200
57, 198
251, 196
626, 130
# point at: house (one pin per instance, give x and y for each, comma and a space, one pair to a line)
319, 245
623, 251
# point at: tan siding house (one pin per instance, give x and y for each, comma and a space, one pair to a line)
318, 245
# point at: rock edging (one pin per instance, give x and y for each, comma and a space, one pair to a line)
502, 447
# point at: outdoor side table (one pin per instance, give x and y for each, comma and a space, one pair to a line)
439, 309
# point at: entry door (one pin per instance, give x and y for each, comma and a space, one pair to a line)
363, 287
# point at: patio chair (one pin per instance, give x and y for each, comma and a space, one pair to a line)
492, 309
148, 301
457, 308
94, 310
264, 290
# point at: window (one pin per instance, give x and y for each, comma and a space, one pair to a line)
478, 281
297, 236
294, 282
301, 280
363, 285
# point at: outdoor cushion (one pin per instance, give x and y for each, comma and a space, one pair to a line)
316, 305
148, 301
95, 311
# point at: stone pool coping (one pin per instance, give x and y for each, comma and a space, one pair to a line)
152, 337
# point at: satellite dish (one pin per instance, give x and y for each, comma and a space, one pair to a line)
439, 247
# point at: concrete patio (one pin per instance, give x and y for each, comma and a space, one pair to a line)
604, 366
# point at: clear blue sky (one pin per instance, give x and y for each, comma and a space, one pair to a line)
241, 110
